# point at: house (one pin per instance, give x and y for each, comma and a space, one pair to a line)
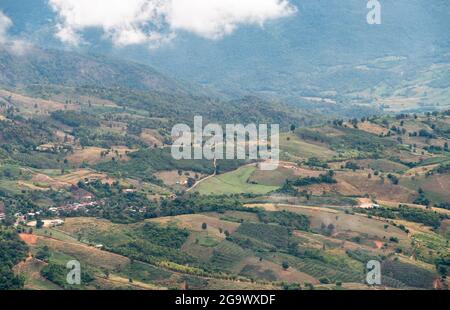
47, 223
80, 194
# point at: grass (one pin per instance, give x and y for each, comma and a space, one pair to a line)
272, 178
293, 147
234, 182
54, 233
144, 272
207, 241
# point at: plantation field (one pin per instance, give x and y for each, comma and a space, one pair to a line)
193, 222
345, 226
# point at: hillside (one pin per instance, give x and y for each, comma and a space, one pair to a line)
68, 77
325, 56
346, 192
90, 93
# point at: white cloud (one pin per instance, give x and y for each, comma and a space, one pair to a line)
215, 18
5, 24
155, 21
13, 45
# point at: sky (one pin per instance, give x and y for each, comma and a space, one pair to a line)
154, 22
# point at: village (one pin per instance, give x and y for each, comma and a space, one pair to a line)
82, 201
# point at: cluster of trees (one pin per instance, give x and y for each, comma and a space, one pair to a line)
394, 179
315, 162
121, 206
285, 218
75, 118
352, 166
422, 199
12, 251
58, 274
443, 168
24, 135
323, 178
195, 203
429, 218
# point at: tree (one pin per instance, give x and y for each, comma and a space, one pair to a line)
39, 223
285, 265
190, 182
204, 226
43, 253
293, 128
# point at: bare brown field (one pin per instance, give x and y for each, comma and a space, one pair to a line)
45, 181
317, 241
397, 104
87, 254
73, 226
193, 222
255, 267
33, 106
40, 181
383, 165
28, 239
219, 284
74, 177
375, 186
419, 170
113, 281
277, 207
237, 215
92, 155
172, 178
395, 204
151, 137
371, 128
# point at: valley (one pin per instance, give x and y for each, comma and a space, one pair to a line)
345, 192
105, 106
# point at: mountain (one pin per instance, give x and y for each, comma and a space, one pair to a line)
326, 52
64, 75
39, 66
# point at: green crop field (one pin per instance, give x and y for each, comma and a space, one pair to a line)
235, 182
292, 147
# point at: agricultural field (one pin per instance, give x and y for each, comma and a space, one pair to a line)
135, 147
344, 193
236, 182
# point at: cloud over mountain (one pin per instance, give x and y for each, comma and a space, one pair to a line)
155, 21
5, 23
13, 45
